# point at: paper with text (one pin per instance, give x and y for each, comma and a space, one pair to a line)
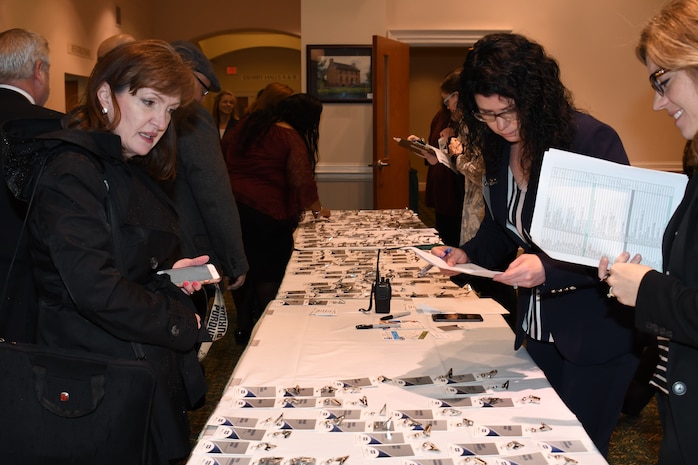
588, 208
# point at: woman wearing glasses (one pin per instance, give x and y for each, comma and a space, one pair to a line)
515, 108
445, 189
666, 304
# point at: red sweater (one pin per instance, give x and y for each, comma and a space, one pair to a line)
274, 175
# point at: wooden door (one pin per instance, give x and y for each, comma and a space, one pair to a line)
391, 166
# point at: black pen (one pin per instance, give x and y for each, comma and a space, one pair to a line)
392, 317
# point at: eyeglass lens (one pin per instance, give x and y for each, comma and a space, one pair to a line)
656, 84
508, 114
449, 97
205, 92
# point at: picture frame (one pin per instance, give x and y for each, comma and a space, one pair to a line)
340, 73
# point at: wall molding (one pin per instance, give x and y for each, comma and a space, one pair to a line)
673, 167
343, 172
440, 38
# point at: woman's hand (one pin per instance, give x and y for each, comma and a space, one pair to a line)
429, 157
624, 277
451, 255
187, 286
236, 283
526, 271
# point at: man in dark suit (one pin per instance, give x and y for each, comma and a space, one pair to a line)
24, 88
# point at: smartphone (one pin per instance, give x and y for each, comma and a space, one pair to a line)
205, 274
440, 317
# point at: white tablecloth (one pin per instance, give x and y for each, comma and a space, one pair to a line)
312, 388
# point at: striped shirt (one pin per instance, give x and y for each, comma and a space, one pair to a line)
532, 321
659, 377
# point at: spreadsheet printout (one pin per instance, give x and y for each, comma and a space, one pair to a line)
588, 208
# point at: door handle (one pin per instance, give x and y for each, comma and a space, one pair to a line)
381, 164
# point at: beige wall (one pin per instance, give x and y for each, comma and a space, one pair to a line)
74, 29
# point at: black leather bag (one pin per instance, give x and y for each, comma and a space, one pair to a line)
64, 407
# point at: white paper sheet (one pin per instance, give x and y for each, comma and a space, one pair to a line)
467, 268
588, 208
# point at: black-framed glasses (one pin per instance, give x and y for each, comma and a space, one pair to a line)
205, 92
509, 114
657, 85
449, 97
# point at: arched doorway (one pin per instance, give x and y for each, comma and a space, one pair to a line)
246, 61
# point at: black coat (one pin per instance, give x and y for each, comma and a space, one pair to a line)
99, 291
588, 328
667, 305
18, 311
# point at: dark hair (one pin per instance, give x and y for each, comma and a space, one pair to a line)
451, 82
517, 68
270, 96
302, 112
128, 68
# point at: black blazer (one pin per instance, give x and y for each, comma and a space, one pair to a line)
587, 327
667, 305
18, 312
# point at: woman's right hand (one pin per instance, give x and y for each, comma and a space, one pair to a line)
451, 255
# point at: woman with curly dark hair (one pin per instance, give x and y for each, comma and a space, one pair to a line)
515, 108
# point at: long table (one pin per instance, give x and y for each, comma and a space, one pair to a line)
318, 385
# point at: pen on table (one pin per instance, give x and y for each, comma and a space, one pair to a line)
424, 270
392, 317
380, 326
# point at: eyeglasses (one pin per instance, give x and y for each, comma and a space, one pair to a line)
657, 85
205, 92
449, 97
509, 114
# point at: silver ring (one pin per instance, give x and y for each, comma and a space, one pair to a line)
610, 294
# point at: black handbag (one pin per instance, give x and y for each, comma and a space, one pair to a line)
61, 407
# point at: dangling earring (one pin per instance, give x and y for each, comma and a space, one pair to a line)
105, 110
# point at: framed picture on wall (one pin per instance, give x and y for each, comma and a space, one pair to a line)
340, 73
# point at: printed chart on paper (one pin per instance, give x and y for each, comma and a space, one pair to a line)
587, 208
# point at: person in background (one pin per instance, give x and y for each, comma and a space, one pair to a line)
24, 89
666, 303
112, 42
208, 214
225, 111
271, 162
101, 227
270, 96
267, 99
515, 107
445, 188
